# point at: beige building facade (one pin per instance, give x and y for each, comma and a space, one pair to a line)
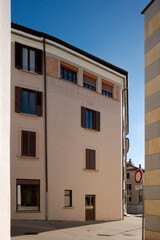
152, 117
68, 129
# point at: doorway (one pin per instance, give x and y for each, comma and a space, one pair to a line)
90, 207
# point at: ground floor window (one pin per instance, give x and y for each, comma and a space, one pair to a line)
28, 195
68, 198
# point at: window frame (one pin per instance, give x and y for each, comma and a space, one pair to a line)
29, 92
29, 147
86, 121
29, 182
90, 159
70, 198
19, 101
38, 61
62, 68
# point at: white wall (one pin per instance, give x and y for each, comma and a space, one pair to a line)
5, 119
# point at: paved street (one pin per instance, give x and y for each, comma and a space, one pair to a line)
129, 228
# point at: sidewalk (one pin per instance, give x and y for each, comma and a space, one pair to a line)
129, 228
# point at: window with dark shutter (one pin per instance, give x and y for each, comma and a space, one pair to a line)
28, 143
90, 159
28, 58
90, 119
28, 101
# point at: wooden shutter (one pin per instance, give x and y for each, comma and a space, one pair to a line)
18, 55
18, 99
92, 159
39, 104
24, 143
98, 121
32, 144
87, 159
83, 117
38, 61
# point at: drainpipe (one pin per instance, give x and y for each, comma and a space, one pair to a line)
125, 131
45, 123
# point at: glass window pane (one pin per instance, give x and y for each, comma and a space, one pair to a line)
65, 74
61, 72
91, 120
24, 101
87, 119
32, 103
25, 59
32, 61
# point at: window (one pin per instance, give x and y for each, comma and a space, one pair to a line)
90, 159
89, 81
28, 101
129, 199
90, 119
68, 74
68, 198
140, 198
28, 59
129, 186
107, 88
28, 195
128, 175
28, 143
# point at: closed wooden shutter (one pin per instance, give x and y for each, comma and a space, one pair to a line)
38, 61
83, 117
87, 159
24, 143
18, 99
32, 144
18, 55
39, 104
92, 159
98, 121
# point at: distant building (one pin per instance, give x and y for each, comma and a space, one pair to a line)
134, 197
68, 131
152, 120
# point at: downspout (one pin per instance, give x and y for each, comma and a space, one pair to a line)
45, 123
125, 131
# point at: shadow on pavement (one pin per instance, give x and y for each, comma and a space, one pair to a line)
30, 227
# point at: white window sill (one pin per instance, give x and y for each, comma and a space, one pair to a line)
28, 115
27, 211
68, 207
26, 157
90, 170
34, 73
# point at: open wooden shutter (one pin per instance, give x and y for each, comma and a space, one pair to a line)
39, 103
83, 117
18, 99
38, 61
97, 121
18, 55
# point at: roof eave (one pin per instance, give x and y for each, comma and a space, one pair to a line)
147, 7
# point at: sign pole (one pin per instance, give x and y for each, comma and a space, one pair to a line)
143, 207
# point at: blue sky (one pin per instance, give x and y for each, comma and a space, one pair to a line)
109, 29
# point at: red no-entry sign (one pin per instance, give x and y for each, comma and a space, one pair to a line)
138, 176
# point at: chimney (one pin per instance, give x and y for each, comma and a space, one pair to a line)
140, 166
